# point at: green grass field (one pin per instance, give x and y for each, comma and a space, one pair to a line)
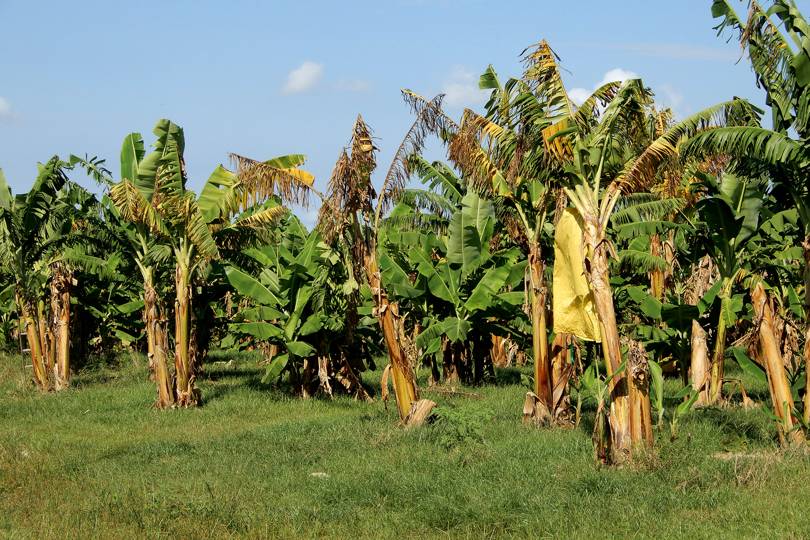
98, 461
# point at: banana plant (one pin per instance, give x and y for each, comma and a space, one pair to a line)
141, 234
351, 219
468, 285
731, 215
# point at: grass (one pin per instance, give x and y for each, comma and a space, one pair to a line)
97, 461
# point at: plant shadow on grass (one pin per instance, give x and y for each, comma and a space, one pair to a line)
737, 428
508, 376
220, 372
223, 379
98, 371
587, 418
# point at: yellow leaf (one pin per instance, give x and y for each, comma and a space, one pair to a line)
559, 147
301, 175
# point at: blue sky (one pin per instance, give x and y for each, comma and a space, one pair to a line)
270, 78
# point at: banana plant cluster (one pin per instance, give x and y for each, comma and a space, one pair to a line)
171, 222
46, 235
691, 236
295, 309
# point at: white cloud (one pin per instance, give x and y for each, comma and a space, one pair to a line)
579, 95
461, 89
303, 78
5, 108
617, 75
353, 85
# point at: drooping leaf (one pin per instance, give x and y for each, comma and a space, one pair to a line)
484, 292
260, 313
130, 307
731, 308
313, 324
437, 283
302, 297
395, 277
260, 330
706, 302
300, 348
650, 306
679, 316
217, 194
456, 329
249, 286
276, 367
464, 246
748, 365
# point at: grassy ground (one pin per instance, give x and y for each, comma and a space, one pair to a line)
97, 461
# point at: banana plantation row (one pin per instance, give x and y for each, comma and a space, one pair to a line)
603, 242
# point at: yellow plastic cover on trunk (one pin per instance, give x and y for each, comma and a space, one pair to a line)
574, 309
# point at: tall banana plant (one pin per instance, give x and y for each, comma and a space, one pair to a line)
352, 215
515, 154
731, 214
596, 160
135, 227
607, 163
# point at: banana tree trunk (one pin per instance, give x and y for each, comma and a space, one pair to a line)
656, 275
187, 394
806, 250
45, 337
561, 370
31, 325
638, 380
619, 413
700, 364
157, 343
626, 410
542, 375
498, 352
781, 395
450, 364
404, 380
717, 368
60, 313
669, 256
